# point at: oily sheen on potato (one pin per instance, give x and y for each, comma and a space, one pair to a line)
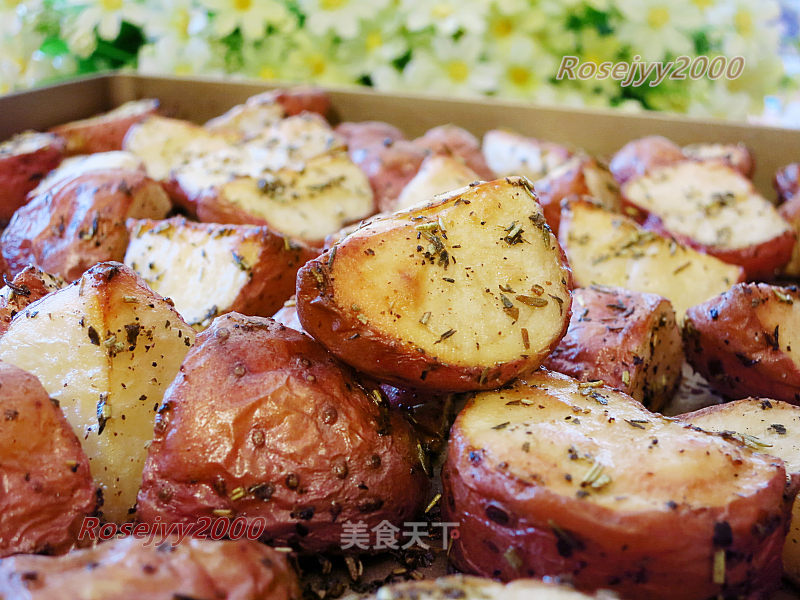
464, 293
263, 423
105, 347
27, 287
553, 477
771, 427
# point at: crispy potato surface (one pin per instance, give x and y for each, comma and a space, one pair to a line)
640, 157
557, 478
27, 287
508, 153
437, 174
790, 210
75, 166
449, 140
736, 156
465, 293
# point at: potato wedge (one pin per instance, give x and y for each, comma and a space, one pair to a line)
629, 340
553, 477
713, 208
610, 249
508, 153
642, 156
105, 347
364, 134
745, 341
787, 181
437, 174
129, 568
104, 133
771, 427
450, 140
736, 156
263, 423
81, 223
24, 160
209, 269
465, 293
75, 166
27, 287
44, 474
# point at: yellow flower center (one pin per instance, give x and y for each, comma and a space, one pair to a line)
458, 70
183, 69
502, 27
657, 17
703, 4
743, 21
316, 64
242, 5
441, 11
111, 4
332, 4
374, 40
519, 76
181, 21
267, 73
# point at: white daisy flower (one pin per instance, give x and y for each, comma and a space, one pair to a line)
754, 27
104, 16
657, 28
181, 18
171, 55
524, 67
342, 17
251, 17
446, 16
379, 42
312, 59
266, 58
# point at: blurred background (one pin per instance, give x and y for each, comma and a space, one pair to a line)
509, 49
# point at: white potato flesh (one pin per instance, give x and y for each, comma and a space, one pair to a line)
27, 142
106, 347
437, 175
75, 166
246, 120
508, 153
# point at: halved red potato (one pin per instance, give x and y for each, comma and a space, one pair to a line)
736, 156
263, 423
714, 208
105, 347
771, 427
25, 160
437, 174
81, 223
553, 477
105, 132
363, 134
464, 293
75, 166
508, 153
131, 568
607, 248
44, 475
208, 269
790, 210
641, 156
450, 140
629, 340
580, 176
743, 341
27, 287
787, 181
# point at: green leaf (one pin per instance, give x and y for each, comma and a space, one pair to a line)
53, 46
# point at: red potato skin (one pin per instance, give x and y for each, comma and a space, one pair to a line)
287, 316
657, 554
45, 484
450, 140
641, 156
79, 225
719, 343
128, 568
258, 404
92, 135
364, 134
20, 173
389, 168
787, 182
28, 287
301, 99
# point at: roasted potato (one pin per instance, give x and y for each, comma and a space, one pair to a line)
743, 341
714, 208
361, 135
24, 160
579, 176
27, 287
642, 156
437, 174
105, 132
449, 140
130, 568
209, 269
627, 339
771, 427
44, 474
787, 181
263, 423
508, 153
75, 166
610, 249
81, 223
464, 293
105, 347
553, 477
790, 210
287, 315
736, 156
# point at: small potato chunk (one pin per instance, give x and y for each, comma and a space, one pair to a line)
130, 568
746, 342
787, 181
24, 160
449, 140
105, 347
790, 210
263, 423
81, 223
27, 287
75, 166
771, 427
464, 293
508, 153
105, 132
553, 477
717, 210
287, 315
736, 156
437, 175
361, 135
45, 485
208, 270
629, 340
640, 157
610, 249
